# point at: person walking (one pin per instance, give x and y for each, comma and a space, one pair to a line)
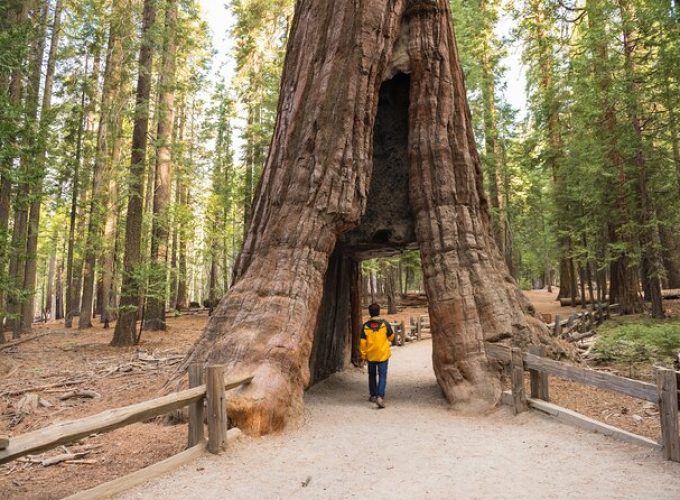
376, 337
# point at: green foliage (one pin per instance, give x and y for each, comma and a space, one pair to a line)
634, 340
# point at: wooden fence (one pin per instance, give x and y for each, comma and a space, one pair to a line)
205, 400
664, 393
581, 325
418, 327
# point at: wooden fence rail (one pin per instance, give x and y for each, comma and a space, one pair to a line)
66, 432
664, 393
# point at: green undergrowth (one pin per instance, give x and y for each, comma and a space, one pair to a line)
634, 340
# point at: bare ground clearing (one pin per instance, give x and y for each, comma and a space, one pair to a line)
123, 377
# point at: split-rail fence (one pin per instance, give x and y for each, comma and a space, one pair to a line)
205, 399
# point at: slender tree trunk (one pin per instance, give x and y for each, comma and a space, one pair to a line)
110, 239
50, 306
182, 302
314, 189
390, 291
673, 128
494, 159
28, 307
625, 284
555, 151
649, 235
112, 104
155, 312
17, 264
70, 306
125, 332
59, 291
16, 16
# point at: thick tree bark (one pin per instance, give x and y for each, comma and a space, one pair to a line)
315, 188
125, 333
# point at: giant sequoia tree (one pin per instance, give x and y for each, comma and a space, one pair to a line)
372, 151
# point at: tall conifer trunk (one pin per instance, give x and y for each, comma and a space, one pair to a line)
155, 313
125, 331
39, 172
112, 102
316, 187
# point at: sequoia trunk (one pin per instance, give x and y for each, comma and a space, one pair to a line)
317, 211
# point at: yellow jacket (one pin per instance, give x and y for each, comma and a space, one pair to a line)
376, 339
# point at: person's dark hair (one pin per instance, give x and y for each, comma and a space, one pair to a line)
374, 310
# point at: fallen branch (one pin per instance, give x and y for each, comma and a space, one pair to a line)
581, 336
80, 393
27, 405
4, 441
21, 341
63, 458
62, 383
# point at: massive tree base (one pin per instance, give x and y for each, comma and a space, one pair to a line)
373, 153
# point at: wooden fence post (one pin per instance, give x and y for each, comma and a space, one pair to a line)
667, 386
517, 377
403, 333
558, 326
539, 380
419, 331
217, 410
196, 413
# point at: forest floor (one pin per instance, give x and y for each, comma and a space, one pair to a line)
65, 360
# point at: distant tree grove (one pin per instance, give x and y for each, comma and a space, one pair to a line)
129, 159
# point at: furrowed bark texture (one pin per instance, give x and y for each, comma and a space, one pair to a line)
315, 188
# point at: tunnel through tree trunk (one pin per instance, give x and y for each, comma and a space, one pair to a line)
334, 322
318, 208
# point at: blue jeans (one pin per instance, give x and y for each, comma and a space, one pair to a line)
380, 369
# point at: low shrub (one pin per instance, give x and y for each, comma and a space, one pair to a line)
635, 340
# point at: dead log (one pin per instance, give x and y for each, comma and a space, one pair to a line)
63, 458
381, 159
566, 302
62, 383
80, 393
4, 441
580, 336
13, 343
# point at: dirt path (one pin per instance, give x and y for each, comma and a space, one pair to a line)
417, 448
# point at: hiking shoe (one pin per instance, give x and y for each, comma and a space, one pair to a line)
380, 402
372, 399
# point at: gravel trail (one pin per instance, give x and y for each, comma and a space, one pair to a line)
418, 448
